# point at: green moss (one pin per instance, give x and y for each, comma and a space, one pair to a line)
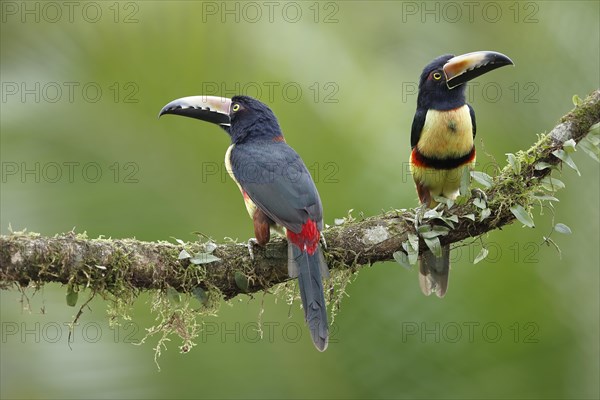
178, 320
339, 278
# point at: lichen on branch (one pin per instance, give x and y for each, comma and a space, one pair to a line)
121, 268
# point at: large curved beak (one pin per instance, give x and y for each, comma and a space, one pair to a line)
206, 108
463, 68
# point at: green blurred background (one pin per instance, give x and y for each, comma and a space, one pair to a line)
81, 148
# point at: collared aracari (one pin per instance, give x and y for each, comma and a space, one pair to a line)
278, 191
442, 141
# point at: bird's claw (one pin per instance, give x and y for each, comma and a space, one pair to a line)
323, 242
251, 243
480, 194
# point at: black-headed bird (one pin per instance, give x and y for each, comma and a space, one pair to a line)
277, 188
442, 141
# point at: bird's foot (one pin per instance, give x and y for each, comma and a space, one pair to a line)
323, 241
480, 194
419, 213
250, 245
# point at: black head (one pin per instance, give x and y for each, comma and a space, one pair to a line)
433, 90
442, 84
251, 119
242, 117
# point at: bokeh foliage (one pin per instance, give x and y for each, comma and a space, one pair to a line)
355, 65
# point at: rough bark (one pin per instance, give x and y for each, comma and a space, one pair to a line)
114, 264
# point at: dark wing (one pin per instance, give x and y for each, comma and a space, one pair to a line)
276, 179
417, 126
472, 112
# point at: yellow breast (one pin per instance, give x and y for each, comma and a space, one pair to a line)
228, 164
250, 206
447, 134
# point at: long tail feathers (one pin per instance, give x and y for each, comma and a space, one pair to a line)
433, 272
310, 269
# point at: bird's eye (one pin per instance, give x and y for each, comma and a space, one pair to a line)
235, 107
437, 76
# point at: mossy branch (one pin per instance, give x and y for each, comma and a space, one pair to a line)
113, 265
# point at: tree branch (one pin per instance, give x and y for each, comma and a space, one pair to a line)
111, 265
